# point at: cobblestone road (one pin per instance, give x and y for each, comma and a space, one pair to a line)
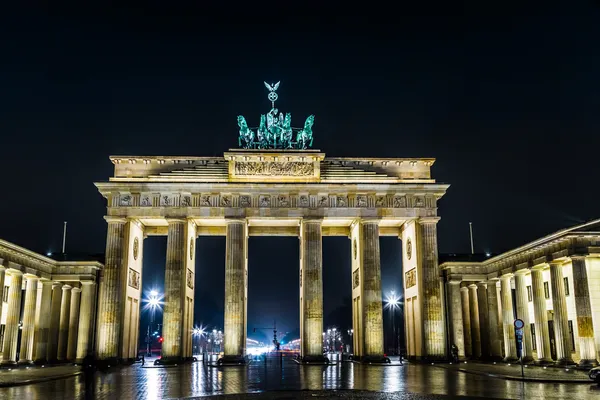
196, 379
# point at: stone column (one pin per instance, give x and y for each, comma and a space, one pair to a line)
235, 291
26, 351
73, 323
86, 318
541, 316
311, 267
474, 314
466, 316
456, 317
63, 331
484, 333
523, 314
174, 293
508, 319
112, 291
52, 348
371, 290
495, 327
561, 319
13, 313
433, 315
2, 275
42, 330
583, 307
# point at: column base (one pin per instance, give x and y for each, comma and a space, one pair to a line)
318, 359
565, 362
7, 363
510, 359
25, 362
587, 364
372, 359
544, 362
231, 360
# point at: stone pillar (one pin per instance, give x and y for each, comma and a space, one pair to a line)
474, 314
541, 316
73, 323
508, 319
484, 333
86, 318
583, 307
235, 291
26, 351
494, 325
13, 313
42, 330
456, 316
371, 290
52, 348
523, 314
311, 267
65, 316
111, 301
2, 275
466, 316
174, 294
561, 319
433, 315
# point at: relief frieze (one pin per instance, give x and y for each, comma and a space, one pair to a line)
274, 168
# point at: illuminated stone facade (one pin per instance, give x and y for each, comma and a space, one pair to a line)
58, 311
552, 284
297, 193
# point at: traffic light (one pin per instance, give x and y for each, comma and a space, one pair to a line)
160, 339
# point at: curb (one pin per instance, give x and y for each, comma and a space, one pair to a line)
518, 378
39, 380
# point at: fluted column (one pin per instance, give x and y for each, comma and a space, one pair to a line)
508, 319
63, 330
484, 331
73, 323
311, 267
523, 314
31, 291
54, 322
456, 316
2, 275
86, 317
583, 307
433, 315
561, 319
174, 290
13, 312
540, 313
111, 299
235, 290
466, 316
494, 324
42, 330
474, 313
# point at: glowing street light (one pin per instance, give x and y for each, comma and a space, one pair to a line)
392, 302
153, 301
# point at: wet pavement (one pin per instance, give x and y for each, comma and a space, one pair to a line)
286, 379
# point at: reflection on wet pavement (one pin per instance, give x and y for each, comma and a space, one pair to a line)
200, 380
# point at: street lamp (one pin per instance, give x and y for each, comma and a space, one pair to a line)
392, 303
153, 301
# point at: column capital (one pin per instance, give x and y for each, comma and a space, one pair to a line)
176, 220
465, 288
472, 286
67, 287
30, 276
428, 220
578, 257
523, 271
507, 276
365, 221
235, 221
87, 282
15, 272
76, 289
482, 284
454, 280
539, 267
311, 221
118, 220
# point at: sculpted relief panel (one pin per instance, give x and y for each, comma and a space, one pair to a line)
274, 168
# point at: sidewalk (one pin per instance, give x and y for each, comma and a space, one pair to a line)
25, 375
533, 373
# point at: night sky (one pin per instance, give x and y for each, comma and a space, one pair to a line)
508, 105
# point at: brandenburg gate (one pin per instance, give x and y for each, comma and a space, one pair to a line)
273, 185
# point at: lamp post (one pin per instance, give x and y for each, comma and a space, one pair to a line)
393, 302
351, 334
153, 302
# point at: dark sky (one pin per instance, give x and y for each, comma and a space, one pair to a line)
507, 104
